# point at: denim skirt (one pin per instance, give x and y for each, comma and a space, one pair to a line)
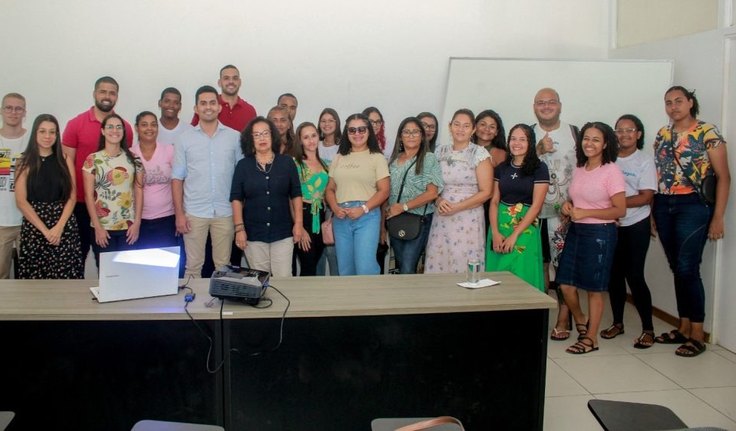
587, 257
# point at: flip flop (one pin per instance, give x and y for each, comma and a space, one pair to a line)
645, 340
559, 334
672, 337
690, 349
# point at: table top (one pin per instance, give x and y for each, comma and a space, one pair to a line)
71, 300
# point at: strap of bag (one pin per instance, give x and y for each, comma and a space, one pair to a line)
430, 423
403, 180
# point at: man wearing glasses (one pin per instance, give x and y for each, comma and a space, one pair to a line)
555, 147
82, 137
13, 141
202, 175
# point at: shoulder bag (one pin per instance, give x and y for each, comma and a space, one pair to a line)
405, 226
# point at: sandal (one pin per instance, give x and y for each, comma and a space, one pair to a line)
582, 329
559, 334
645, 340
582, 347
613, 331
672, 337
690, 349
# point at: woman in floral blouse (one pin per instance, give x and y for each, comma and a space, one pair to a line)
113, 190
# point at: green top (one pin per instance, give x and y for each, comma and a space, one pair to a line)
313, 189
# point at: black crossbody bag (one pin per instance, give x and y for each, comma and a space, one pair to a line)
405, 226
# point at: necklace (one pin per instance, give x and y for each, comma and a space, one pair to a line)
265, 167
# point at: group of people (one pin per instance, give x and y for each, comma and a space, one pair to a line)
562, 208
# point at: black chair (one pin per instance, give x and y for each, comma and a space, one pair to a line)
623, 416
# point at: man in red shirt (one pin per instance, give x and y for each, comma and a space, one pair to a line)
82, 137
236, 113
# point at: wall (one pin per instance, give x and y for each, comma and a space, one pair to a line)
651, 20
390, 54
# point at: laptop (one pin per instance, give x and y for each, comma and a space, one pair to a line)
134, 274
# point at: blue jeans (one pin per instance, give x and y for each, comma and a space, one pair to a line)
356, 241
407, 253
682, 224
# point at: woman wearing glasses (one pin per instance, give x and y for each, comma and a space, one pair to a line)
358, 186
457, 235
45, 195
113, 190
266, 197
429, 123
416, 180
633, 232
685, 151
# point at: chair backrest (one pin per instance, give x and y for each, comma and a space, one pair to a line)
149, 425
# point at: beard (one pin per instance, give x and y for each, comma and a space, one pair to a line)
104, 108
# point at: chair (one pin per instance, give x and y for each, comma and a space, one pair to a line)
149, 425
623, 416
392, 424
5, 419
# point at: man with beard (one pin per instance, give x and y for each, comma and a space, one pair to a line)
82, 137
236, 113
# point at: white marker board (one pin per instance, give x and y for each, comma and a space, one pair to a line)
590, 90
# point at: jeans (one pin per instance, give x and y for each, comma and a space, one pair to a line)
682, 224
407, 253
118, 241
329, 256
628, 267
356, 241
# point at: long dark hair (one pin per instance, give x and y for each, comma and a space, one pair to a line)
531, 159
399, 145
333, 114
345, 147
31, 159
610, 150
132, 158
298, 153
499, 141
247, 145
381, 135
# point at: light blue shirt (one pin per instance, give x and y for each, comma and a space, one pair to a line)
206, 165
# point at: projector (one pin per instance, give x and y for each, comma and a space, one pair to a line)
239, 284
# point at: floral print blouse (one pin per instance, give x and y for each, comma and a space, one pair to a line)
114, 198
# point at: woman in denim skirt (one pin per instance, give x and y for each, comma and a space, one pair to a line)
597, 194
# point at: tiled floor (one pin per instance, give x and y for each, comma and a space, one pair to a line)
701, 390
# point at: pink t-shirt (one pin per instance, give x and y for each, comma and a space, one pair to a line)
594, 189
157, 198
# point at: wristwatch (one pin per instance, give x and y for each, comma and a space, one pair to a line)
405, 207
365, 208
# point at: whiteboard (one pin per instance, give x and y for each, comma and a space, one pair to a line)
590, 90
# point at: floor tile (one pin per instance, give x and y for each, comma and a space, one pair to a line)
614, 373
721, 399
559, 383
705, 371
691, 409
569, 413
731, 356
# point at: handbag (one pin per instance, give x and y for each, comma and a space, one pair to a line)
405, 226
328, 237
707, 187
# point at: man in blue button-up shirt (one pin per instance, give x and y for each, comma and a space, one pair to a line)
204, 162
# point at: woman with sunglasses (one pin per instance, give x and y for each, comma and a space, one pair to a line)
416, 180
457, 235
359, 184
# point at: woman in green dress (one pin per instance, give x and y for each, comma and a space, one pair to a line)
520, 184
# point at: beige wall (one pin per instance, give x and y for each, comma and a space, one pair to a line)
651, 20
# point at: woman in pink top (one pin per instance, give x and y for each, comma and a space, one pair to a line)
158, 226
597, 194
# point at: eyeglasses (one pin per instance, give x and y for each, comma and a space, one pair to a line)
542, 103
429, 126
376, 122
414, 132
357, 130
625, 130
10, 109
263, 134
113, 127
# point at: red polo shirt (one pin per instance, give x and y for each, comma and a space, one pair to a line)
83, 134
235, 117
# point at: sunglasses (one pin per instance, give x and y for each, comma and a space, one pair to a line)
356, 130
